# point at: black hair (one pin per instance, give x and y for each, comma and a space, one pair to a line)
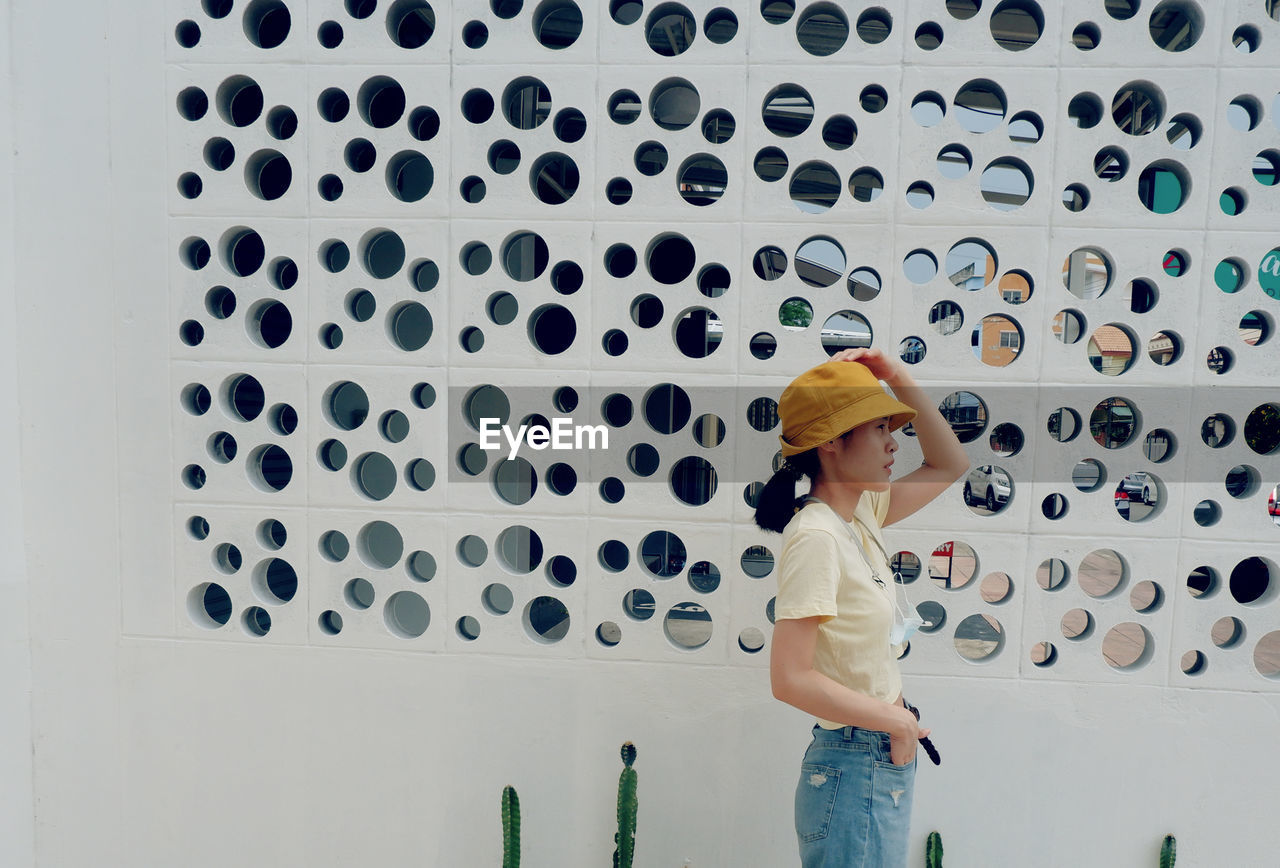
777, 501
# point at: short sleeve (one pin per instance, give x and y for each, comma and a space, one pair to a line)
808, 576
880, 505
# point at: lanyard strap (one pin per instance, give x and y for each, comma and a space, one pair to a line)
875, 574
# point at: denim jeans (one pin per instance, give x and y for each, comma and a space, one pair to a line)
853, 805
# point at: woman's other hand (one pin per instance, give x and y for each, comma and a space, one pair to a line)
904, 738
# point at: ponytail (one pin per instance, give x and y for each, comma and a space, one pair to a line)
777, 501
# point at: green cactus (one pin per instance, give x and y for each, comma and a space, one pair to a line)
933, 851
1168, 852
625, 839
510, 828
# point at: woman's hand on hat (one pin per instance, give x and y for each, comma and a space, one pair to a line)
881, 366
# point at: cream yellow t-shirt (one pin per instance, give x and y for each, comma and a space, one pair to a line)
820, 572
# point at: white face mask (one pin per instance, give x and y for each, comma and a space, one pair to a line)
904, 628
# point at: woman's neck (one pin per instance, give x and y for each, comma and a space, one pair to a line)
842, 498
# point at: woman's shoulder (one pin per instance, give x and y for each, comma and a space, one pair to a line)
814, 518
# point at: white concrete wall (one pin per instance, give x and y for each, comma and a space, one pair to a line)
158, 743
16, 804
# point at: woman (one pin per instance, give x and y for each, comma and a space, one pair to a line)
835, 621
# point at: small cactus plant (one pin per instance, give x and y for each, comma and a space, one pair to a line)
625, 839
1168, 852
933, 851
510, 828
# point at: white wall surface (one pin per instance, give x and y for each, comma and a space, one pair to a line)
155, 744
16, 806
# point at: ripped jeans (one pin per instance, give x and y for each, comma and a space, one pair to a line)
853, 805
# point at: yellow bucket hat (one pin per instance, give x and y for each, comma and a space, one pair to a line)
826, 401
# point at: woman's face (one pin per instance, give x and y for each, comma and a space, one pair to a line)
862, 457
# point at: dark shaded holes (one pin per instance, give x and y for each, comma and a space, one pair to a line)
646, 310
1087, 36
360, 9
570, 125
374, 475
360, 155
615, 342
394, 426
381, 102
332, 455
267, 174
198, 527
424, 123
256, 620
333, 104
216, 8
335, 255
928, 35
557, 24
839, 132
361, 305
674, 104
196, 399
504, 157
561, 479
1176, 25
506, 9
409, 176
193, 103
475, 34
552, 329
472, 189
770, 164
526, 103
525, 256
624, 106
423, 396
477, 105
873, 98
787, 110
243, 251
670, 259
1016, 25
566, 278
625, 12
720, 25
426, 274
718, 126
698, 332
1085, 110
777, 11
189, 185
701, 180
410, 326
554, 178
275, 580
620, 260
219, 154
284, 419
329, 187
670, 29
383, 253
239, 100
266, 23
222, 447
411, 23
269, 324
282, 122
359, 593
209, 605
651, 158
220, 302
271, 467
874, 25
822, 29
612, 489
187, 33
329, 34
476, 258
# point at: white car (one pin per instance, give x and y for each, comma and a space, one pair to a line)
987, 485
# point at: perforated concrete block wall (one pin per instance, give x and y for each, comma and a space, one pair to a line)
390, 221
332, 237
